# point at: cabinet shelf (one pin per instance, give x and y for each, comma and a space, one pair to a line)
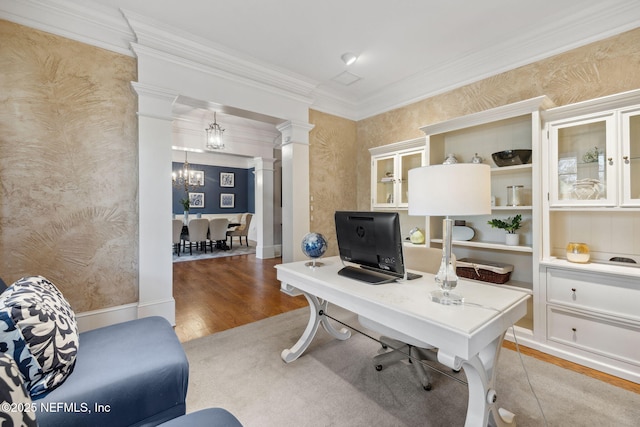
488, 245
511, 208
511, 169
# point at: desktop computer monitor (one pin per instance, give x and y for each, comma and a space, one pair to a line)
372, 240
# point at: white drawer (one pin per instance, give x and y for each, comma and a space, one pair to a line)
607, 337
605, 294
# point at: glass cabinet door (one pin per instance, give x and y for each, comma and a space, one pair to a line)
383, 189
582, 162
407, 162
630, 158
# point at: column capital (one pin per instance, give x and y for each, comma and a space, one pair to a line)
294, 131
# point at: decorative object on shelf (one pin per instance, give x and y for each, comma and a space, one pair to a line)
214, 136
185, 177
512, 157
314, 246
586, 189
510, 225
514, 193
487, 271
462, 232
476, 159
450, 160
578, 252
591, 156
416, 236
443, 190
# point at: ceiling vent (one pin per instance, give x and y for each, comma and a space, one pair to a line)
346, 78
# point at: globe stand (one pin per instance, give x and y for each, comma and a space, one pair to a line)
313, 264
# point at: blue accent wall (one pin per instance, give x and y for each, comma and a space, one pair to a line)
243, 190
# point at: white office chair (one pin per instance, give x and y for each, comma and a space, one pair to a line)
421, 259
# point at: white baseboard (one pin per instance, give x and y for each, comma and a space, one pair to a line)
163, 308
593, 361
89, 320
266, 252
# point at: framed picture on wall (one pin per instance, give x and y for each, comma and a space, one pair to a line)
227, 179
227, 200
196, 200
196, 178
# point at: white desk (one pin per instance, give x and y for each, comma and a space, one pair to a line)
467, 336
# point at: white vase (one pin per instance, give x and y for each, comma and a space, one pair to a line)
185, 220
512, 239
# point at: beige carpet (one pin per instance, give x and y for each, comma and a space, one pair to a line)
334, 384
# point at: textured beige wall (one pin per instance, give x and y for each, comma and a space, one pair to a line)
68, 167
332, 173
602, 68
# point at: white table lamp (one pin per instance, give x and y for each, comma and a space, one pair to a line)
445, 190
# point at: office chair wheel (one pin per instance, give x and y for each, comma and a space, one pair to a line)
378, 368
427, 387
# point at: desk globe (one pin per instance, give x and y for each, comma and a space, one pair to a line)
314, 245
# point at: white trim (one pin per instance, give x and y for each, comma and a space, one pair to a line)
583, 358
164, 308
92, 24
89, 320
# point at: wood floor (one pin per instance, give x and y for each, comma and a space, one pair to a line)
221, 293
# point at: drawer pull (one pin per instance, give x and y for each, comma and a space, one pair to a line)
573, 294
573, 329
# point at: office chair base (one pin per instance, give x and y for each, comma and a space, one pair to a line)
401, 351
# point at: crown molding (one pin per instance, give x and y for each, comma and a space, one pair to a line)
192, 49
124, 31
608, 20
94, 25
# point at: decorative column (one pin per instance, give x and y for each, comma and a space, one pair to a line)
264, 207
154, 202
295, 188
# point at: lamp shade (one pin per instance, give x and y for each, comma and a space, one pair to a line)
457, 189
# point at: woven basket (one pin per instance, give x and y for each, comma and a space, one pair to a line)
485, 271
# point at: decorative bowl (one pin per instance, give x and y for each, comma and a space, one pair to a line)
512, 157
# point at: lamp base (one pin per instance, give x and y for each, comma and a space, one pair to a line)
447, 298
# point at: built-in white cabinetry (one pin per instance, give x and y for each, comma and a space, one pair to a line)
595, 159
390, 165
514, 126
591, 194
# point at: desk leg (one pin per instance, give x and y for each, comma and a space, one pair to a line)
317, 308
481, 375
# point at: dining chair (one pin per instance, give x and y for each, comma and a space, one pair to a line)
198, 229
218, 232
177, 232
242, 230
404, 347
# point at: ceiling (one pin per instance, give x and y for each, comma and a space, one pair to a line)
408, 49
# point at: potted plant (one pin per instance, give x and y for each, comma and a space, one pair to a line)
185, 204
510, 225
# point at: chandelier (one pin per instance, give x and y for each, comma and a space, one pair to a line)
185, 177
214, 136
